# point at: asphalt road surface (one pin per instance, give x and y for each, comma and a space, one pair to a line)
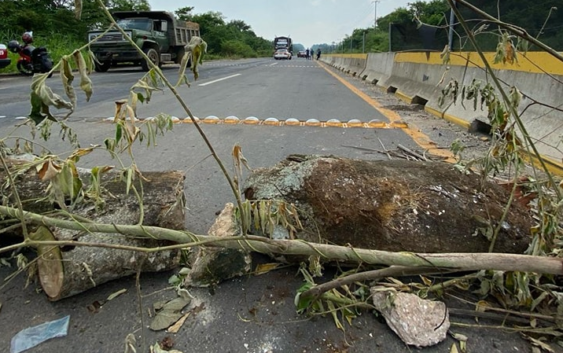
254, 87
249, 314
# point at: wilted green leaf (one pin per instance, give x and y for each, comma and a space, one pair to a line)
85, 82
169, 313
42, 97
538, 343
334, 314
265, 268
303, 303
68, 181
174, 280
523, 45
515, 97
445, 55
178, 324
149, 83
36, 109
110, 144
48, 170
67, 77
195, 50
538, 300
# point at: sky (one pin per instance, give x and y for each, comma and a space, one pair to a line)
306, 21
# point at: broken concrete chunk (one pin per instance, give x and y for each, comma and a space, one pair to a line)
214, 265
418, 322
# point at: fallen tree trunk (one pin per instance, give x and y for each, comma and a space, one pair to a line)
69, 270
452, 261
393, 205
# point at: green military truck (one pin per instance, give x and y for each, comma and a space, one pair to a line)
161, 36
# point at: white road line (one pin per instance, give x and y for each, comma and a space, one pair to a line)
273, 64
219, 79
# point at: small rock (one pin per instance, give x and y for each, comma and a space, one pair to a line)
418, 322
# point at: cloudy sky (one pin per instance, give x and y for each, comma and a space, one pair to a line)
306, 21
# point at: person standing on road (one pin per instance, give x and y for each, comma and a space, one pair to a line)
318, 53
307, 53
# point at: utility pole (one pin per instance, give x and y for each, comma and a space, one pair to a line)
375, 2
451, 29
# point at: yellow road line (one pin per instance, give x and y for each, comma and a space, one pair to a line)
421, 139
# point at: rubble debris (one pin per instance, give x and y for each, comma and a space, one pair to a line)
418, 322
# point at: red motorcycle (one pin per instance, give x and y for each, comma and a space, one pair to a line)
32, 60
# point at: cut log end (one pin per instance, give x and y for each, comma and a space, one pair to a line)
50, 267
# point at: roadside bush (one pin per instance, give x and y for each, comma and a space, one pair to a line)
235, 48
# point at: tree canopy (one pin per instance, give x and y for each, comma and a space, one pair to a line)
57, 16
539, 18
44, 17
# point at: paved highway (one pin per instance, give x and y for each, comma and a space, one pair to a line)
254, 314
262, 88
254, 87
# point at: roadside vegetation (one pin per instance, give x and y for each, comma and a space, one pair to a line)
54, 26
540, 19
524, 288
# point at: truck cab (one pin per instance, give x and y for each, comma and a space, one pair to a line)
158, 33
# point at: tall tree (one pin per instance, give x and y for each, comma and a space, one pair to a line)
184, 13
129, 5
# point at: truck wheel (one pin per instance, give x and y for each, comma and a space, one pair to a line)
102, 66
153, 55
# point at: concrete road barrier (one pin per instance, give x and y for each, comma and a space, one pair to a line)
420, 78
352, 64
378, 68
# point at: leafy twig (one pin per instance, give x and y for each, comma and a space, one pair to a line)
174, 91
